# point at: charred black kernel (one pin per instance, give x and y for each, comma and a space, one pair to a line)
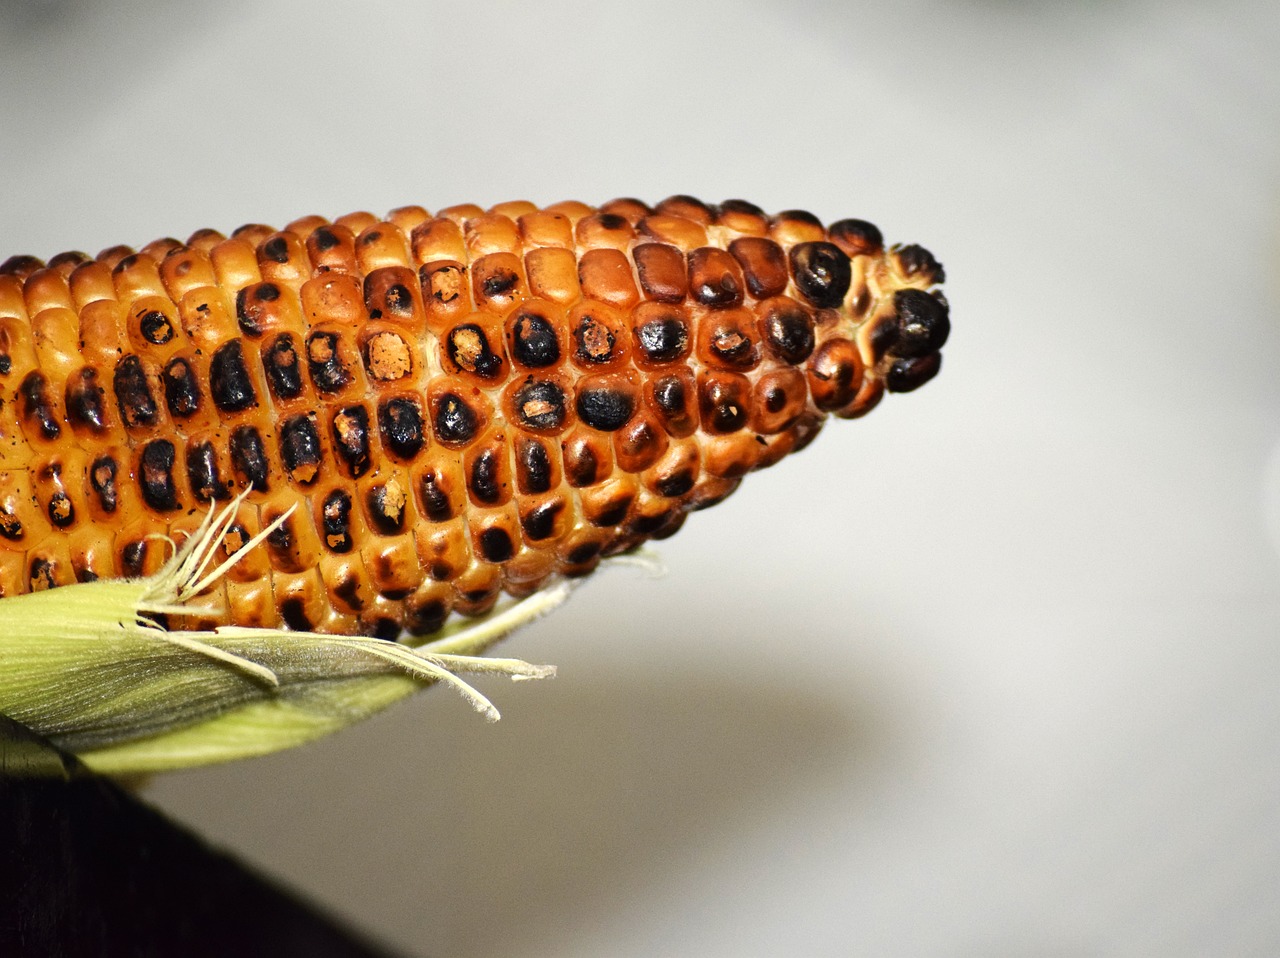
604, 408
132, 557
435, 501
468, 349
386, 508
86, 401
918, 261
724, 406
822, 273
327, 370
479, 596
908, 374
540, 523
37, 408
181, 388
386, 628
400, 421
581, 466
133, 393
611, 221
540, 404
249, 457
348, 589
884, 333
86, 575
923, 323
534, 343
276, 250
733, 348
156, 327
336, 521
281, 538
294, 613
711, 279
662, 340
41, 574
456, 422
284, 375
61, 511
647, 525
593, 341
126, 264
158, 457
775, 400
483, 480
500, 282
676, 484
857, 237
614, 513
583, 553
424, 617
535, 466
249, 306
788, 331
102, 480
399, 299
10, 526
203, 473
325, 238
300, 448
20, 265
740, 206
668, 393
351, 439
496, 545
798, 216
6, 364
229, 380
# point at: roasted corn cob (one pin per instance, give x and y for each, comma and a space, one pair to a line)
459, 404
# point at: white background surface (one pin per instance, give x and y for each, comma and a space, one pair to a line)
994, 671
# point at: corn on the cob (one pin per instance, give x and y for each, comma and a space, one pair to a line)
459, 404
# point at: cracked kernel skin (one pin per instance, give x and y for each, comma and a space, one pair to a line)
457, 405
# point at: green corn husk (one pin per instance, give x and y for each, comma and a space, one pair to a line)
87, 667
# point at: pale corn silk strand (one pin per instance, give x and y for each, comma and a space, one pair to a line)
424, 413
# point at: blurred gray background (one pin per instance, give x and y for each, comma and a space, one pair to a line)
995, 671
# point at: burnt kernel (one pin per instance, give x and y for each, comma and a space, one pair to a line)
725, 402
496, 545
676, 484
324, 238
300, 448
713, 278
41, 575
328, 371
540, 523
280, 362
798, 216
276, 250
249, 457
533, 466
158, 457
348, 590
583, 553
915, 260
533, 341
398, 300
86, 575
249, 306
789, 332
822, 273
611, 221
912, 373
10, 526
733, 347
857, 237
132, 557
37, 408
594, 341
400, 422
468, 348
386, 628
923, 323
351, 439
6, 364
605, 408
540, 405
387, 508
435, 501
86, 401
133, 393
156, 327
61, 512
500, 282
281, 538
181, 388
740, 206
335, 521
229, 380
764, 265
294, 612
456, 422
835, 374
581, 465
425, 617
664, 339
669, 394
690, 207
647, 525
102, 480
203, 473
484, 480
613, 513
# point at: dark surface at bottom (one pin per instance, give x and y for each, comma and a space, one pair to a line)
87, 869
